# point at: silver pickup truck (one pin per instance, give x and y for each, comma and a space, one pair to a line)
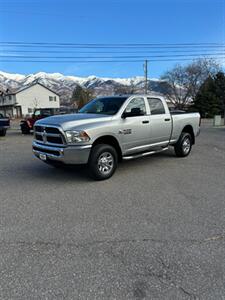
110, 129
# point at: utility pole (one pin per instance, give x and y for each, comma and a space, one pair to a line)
146, 76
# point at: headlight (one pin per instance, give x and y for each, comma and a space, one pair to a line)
77, 137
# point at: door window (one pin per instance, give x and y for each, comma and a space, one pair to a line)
136, 103
156, 106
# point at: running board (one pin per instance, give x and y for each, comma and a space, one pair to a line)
144, 154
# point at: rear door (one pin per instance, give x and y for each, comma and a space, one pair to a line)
135, 130
160, 122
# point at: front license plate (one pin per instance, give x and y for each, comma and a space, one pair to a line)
42, 156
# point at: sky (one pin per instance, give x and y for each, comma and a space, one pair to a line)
105, 22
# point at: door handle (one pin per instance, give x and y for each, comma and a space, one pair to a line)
167, 120
145, 122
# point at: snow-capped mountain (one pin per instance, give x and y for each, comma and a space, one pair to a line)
64, 85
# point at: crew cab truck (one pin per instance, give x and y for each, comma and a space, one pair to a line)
4, 124
110, 129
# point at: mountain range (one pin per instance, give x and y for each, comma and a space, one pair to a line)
64, 85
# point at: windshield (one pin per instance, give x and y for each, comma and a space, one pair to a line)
104, 106
43, 112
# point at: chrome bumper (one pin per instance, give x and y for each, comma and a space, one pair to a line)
69, 155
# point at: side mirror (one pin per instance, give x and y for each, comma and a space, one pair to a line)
124, 115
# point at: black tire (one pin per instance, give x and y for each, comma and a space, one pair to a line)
184, 145
2, 132
102, 161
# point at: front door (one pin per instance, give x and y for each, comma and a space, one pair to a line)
18, 112
135, 129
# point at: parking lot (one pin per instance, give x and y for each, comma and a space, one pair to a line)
155, 230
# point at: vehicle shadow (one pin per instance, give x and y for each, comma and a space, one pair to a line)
61, 174
81, 174
35, 170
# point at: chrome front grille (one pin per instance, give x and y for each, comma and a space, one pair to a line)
48, 135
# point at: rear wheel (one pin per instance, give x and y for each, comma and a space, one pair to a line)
3, 132
102, 162
183, 146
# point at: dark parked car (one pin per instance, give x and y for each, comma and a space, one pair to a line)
4, 124
27, 124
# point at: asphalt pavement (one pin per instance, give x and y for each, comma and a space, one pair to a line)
155, 230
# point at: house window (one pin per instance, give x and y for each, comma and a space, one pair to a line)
30, 110
52, 98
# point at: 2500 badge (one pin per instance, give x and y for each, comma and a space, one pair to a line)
125, 131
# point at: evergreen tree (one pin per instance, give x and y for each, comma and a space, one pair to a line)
80, 96
207, 101
220, 91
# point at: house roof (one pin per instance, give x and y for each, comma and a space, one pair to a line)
6, 92
32, 84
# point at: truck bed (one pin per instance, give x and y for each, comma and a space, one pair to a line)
182, 119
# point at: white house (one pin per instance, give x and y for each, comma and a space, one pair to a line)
24, 101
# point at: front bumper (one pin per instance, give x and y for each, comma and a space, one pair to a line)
71, 155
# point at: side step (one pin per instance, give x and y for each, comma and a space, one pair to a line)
144, 154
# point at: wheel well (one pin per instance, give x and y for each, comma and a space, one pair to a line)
109, 140
189, 129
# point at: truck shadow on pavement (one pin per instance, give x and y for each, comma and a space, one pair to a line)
80, 173
62, 174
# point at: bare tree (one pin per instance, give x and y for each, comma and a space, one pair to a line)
36, 103
183, 82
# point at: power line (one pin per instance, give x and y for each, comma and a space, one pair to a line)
111, 57
108, 52
112, 46
101, 61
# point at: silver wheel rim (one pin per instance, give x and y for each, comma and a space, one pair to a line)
186, 145
105, 163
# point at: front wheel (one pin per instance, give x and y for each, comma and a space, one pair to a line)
183, 146
102, 162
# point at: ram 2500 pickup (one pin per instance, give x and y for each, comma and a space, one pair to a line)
110, 129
